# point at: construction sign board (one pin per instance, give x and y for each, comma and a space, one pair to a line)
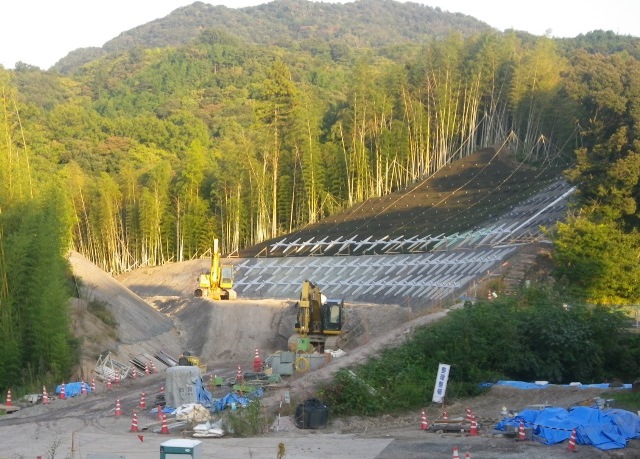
440, 387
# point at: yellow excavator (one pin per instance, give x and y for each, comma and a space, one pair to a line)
217, 284
319, 321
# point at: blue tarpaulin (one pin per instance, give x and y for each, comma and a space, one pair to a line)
529, 385
238, 399
73, 388
203, 396
603, 429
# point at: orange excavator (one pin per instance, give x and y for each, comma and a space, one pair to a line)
218, 283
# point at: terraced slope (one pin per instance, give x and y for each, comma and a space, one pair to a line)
470, 193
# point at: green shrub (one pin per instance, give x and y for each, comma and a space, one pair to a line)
246, 421
101, 311
531, 336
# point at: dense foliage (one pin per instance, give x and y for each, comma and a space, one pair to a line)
598, 251
533, 336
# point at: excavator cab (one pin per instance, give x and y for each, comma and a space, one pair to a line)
332, 315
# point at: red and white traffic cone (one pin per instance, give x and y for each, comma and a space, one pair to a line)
424, 424
456, 455
134, 374
134, 423
239, 376
83, 388
153, 368
118, 410
445, 416
257, 362
474, 428
146, 368
8, 402
45, 397
63, 392
117, 380
165, 427
572, 441
522, 435
162, 389
159, 413
109, 383
143, 402
93, 385
469, 414
467, 456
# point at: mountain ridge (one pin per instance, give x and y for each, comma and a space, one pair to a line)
363, 23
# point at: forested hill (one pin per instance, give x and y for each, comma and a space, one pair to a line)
363, 23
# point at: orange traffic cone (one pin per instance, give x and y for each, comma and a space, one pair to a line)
165, 428
424, 424
8, 402
93, 385
239, 376
143, 402
118, 410
159, 413
134, 423
83, 388
521, 432
474, 428
469, 414
63, 392
572, 441
445, 416
257, 362
45, 397
455, 453
109, 383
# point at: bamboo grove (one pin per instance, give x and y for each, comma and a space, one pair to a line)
159, 151
162, 150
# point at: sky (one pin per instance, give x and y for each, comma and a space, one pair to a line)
41, 32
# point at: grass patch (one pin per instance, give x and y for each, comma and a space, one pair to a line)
625, 399
101, 311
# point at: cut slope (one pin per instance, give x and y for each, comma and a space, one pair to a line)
141, 329
470, 192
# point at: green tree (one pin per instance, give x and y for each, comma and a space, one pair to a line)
600, 262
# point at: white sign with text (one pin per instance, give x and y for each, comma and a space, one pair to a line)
441, 383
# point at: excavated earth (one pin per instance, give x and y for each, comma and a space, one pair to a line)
156, 312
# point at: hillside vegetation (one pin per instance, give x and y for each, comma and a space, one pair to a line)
143, 154
317, 26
